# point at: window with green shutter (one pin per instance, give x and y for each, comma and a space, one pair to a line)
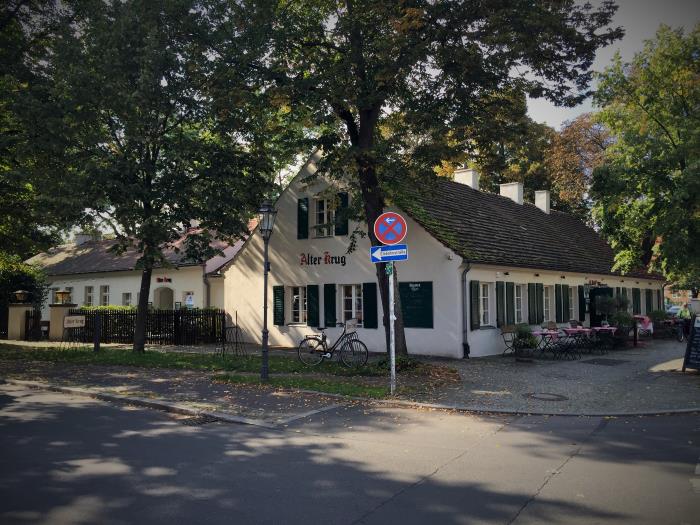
539, 287
500, 304
531, 303
636, 301
417, 304
341, 214
558, 304
369, 305
329, 302
312, 304
474, 321
566, 304
303, 218
278, 305
510, 303
581, 304
649, 300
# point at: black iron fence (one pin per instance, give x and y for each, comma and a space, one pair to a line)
32, 325
166, 327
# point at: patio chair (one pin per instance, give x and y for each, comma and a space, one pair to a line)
551, 325
508, 335
575, 323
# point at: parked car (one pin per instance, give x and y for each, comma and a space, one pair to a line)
673, 310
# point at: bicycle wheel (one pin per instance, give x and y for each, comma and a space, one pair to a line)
354, 353
311, 351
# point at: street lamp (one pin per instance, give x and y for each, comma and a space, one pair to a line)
267, 214
20, 295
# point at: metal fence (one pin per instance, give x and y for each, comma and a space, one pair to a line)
32, 325
165, 327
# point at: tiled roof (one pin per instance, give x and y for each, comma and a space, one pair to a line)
490, 229
95, 256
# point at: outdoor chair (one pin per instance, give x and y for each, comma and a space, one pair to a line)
551, 325
575, 323
508, 335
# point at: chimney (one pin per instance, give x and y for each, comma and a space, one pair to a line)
542, 200
512, 190
82, 237
467, 176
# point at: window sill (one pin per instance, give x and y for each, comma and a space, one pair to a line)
487, 327
297, 324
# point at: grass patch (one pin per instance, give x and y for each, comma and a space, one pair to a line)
306, 383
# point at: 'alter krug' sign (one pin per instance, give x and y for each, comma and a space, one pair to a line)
308, 259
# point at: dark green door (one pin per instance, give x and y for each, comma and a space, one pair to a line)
596, 318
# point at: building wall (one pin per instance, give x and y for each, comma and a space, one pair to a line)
428, 261
677, 297
487, 340
185, 279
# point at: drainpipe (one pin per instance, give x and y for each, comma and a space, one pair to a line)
465, 319
207, 287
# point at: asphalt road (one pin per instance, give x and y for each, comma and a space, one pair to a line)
70, 459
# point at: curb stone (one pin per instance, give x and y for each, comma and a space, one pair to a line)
164, 406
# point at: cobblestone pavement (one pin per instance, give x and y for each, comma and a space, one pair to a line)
193, 389
647, 378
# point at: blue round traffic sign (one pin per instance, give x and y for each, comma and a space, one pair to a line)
390, 228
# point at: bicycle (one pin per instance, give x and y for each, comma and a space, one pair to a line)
353, 353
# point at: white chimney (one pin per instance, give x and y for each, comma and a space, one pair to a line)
512, 190
467, 176
542, 200
82, 237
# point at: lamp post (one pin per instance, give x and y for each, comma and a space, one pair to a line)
20, 296
267, 214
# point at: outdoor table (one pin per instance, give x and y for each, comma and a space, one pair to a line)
579, 338
603, 336
548, 341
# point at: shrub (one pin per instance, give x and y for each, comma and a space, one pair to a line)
658, 316
524, 337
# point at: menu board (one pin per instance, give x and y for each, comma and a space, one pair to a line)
692, 351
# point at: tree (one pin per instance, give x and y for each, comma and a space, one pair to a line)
34, 207
162, 139
16, 275
647, 192
395, 88
570, 159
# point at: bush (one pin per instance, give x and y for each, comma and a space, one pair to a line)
108, 308
524, 337
658, 316
402, 363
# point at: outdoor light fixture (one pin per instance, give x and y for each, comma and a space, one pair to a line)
506, 273
267, 214
20, 295
563, 276
537, 275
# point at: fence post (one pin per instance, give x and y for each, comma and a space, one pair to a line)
97, 328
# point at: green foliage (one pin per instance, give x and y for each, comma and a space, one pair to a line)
108, 308
524, 338
658, 316
622, 319
647, 191
16, 275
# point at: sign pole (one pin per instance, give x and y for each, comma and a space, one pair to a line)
392, 318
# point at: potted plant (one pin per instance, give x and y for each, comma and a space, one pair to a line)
524, 343
623, 320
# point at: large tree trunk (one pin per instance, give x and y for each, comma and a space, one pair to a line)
142, 310
374, 207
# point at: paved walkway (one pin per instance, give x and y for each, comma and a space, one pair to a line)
643, 379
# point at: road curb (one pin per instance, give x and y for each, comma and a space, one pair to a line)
500, 411
164, 406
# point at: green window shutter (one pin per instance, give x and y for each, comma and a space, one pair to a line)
649, 300
565, 307
312, 305
303, 218
341, 214
474, 316
617, 291
278, 305
510, 303
369, 305
624, 293
329, 305
539, 287
531, 303
636, 301
659, 302
500, 303
417, 304
581, 305
558, 304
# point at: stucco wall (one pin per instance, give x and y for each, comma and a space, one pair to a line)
488, 341
428, 261
186, 279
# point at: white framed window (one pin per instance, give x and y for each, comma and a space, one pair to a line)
104, 295
571, 303
547, 303
485, 311
324, 218
352, 303
298, 304
519, 303
87, 296
126, 299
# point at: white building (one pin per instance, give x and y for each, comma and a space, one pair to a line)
476, 261
95, 276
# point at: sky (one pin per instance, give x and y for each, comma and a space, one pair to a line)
640, 19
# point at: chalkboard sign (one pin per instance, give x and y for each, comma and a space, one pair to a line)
417, 304
692, 352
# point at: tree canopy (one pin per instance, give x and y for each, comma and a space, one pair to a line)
647, 191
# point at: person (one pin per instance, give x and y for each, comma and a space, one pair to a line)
684, 315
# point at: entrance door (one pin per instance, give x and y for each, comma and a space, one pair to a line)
596, 317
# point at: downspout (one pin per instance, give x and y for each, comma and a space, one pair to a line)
465, 318
207, 286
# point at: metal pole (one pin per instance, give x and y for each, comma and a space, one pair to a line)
392, 318
264, 371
